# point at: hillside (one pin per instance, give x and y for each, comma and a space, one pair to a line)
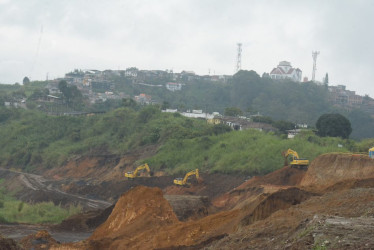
32, 141
281, 100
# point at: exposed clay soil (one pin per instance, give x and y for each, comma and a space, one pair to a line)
329, 205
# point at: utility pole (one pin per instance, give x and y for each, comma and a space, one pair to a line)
314, 55
239, 58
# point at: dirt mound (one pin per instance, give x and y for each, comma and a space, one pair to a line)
285, 176
40, 240
8, 244
134, 212
143, 219
329, 169
267, 184
282, 199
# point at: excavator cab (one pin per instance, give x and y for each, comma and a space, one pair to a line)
296, 161
183, 181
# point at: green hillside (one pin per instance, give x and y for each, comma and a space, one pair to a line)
32, 140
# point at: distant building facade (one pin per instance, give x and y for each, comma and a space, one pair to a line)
173, 86
284, 70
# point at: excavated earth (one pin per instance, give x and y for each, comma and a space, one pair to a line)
328, 206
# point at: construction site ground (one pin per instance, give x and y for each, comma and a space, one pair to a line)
329, 205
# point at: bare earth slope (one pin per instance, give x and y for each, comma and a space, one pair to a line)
329, 205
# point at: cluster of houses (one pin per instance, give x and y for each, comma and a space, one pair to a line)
347, 99
99, 85
236, 123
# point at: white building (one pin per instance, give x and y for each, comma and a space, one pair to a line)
172, 86
284, 70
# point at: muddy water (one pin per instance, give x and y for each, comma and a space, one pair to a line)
18, 231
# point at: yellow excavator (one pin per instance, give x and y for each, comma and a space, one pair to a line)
134, 174
183, 181
296, 161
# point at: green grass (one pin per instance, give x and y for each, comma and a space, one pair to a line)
243, 152
44, 212
15, 211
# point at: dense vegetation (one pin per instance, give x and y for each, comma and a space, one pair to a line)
246, 93
244, 152
249, 94
31, 139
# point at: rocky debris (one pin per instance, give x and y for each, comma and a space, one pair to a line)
40, 240
8, 244
334, 232
188, 207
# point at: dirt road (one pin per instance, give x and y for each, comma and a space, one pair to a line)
38, 188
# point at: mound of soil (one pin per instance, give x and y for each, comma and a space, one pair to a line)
143, 219
285, 176
329, 169
267, 184
136, 211
282, 199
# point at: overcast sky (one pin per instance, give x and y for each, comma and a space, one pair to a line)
53, 36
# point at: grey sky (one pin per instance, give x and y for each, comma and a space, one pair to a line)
195, 35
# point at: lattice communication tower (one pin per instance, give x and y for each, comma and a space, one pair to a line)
239, 58
314, 55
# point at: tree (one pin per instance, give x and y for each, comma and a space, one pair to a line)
71, 94
283, 126
26, 80
334, 125
129, 103
326, 79
233, 111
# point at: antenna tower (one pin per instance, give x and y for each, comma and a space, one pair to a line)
239, 58
314, 55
